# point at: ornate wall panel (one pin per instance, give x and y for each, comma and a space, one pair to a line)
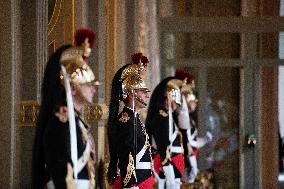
29, 109
60, 31
61, 23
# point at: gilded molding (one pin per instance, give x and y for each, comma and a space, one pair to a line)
29, 109
61, 25
142, 24
28, 113
110, 27
96, 112
55, 15
52, 46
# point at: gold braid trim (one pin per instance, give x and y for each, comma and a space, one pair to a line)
91, 172
92, 180
190, 149
130, 170
168, 156
70, 183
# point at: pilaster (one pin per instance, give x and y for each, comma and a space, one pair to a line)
10, 71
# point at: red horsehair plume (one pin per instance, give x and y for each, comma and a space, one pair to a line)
140, 58
82, 34
182, 74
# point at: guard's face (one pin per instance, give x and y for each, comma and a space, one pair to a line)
86, 92
142, 97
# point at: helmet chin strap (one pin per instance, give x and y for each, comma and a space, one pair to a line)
141, 101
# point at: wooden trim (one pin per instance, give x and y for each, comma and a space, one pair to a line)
222, 62
269, 127
222, 24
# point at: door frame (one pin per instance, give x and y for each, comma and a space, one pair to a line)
251, 175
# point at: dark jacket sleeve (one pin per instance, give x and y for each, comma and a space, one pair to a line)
112, 167
126, 149
160, 126
57, 150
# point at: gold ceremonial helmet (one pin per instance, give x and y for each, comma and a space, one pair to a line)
191, 97
187, 88
77, 68
74, 59
132, 69
132, 80
173, 90
187, 78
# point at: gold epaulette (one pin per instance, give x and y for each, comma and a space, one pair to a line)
124, 117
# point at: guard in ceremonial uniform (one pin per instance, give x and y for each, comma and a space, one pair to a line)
194, 142
63, 154
130, 151
191, 141
162, 123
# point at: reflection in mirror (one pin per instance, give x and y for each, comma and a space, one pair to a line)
218, 157
200, 45
222, 120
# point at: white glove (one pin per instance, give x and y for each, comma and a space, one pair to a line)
161, 183
171, 181
194, 169
169, 173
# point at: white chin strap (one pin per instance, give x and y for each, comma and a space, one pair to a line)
171, 126
183, 116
